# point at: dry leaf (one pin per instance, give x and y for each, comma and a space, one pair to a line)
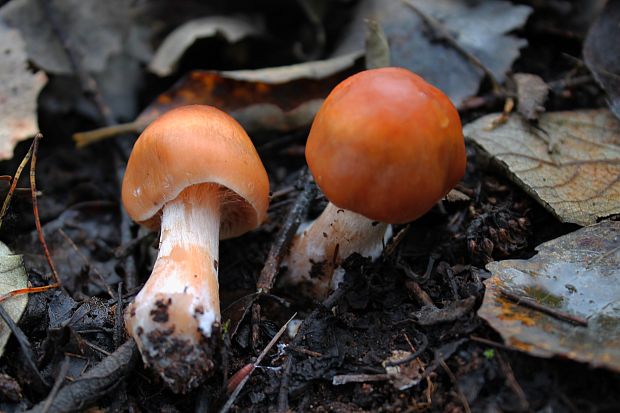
575, 276
13, 276
570, 163
601, 52
532, 92
278, 98
98, 30
176, 43
256, 105
480, 28
315, 70
19, 88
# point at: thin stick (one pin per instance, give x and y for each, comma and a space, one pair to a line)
83, 139
9, 195
118, 319
284, 384
29, 290
421, 349
35, 208
513, 383
64, 368
24, 345
455, 383
286, 233
260, 358
443, 34
491, 343
560, 315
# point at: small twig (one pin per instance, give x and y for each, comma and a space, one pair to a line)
83, 139
35, 207
118, 319
305, 351
284, 383
450, 275
28, 290
513, 383
358, 378
391, 246
9, 195
421, 349
419, 293
455, 383
429, 266
560, 315
279, 248
261, 356
96, 348
62, 374
96, 382
24, 345
255, 323
445, 35
287, 231
491, 343
281, 192
558, 85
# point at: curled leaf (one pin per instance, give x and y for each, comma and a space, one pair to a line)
176, 43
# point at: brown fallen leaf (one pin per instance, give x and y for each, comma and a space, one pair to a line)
19, 89
280, 98
570, 162
573, 278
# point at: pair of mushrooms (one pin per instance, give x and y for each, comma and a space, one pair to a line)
384, 148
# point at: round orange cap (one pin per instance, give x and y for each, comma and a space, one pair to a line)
386, 144
193, 145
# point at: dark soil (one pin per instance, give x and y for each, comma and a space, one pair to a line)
462, 363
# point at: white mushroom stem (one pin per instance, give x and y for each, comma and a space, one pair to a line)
320, 247
177, 309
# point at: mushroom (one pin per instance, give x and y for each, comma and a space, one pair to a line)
384, 147
195, 174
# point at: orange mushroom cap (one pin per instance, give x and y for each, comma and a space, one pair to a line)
192, 145
386, 144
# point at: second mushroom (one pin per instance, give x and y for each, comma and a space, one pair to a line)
384, 148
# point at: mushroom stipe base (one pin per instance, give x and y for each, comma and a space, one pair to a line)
175, 317
320, 247
182, 364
